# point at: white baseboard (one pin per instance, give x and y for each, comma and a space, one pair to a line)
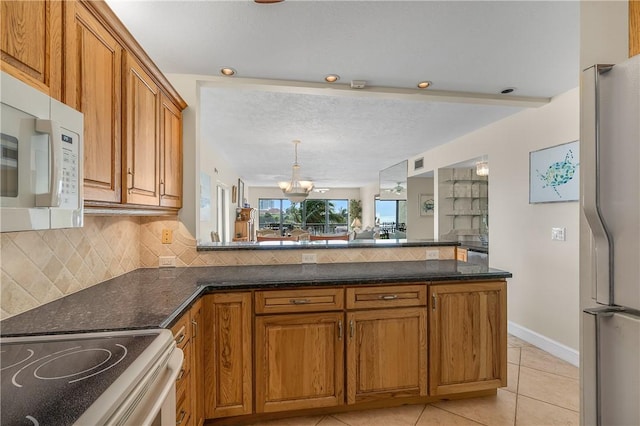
556, 349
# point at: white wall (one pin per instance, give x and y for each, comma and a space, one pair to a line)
543, 293
368, 197
200, 154
418, 227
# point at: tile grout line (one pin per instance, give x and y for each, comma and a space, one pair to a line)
549, 372
424, 407
515, 413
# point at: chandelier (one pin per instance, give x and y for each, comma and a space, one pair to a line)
296, 190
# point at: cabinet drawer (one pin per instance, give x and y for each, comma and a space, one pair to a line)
182, 331
304, 300
183, 412
386, 296
183, 374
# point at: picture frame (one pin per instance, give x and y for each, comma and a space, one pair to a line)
554, 174
234, 194
240, 193
426, 204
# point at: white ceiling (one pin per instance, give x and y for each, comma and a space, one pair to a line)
349, 135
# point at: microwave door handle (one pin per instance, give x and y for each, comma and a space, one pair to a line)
53, 197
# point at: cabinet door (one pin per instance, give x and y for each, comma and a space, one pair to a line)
142, 139
31, 43
227, 355
386, 353
93, 85
468, 337
197, 367
299, 361
170, 154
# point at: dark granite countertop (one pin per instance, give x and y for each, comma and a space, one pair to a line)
475, 246
327, 244
155, 298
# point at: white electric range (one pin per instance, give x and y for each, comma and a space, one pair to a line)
104, 378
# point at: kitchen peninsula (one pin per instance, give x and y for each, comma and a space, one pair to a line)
274, 341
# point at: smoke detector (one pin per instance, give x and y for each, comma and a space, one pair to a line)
358, 84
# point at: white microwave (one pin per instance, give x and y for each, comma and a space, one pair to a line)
41, 160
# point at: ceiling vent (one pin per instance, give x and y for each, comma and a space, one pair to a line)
418, 164
358, 84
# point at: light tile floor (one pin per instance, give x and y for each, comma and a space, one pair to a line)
542, 390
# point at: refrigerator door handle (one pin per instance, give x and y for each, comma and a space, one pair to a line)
590, 183
590, 411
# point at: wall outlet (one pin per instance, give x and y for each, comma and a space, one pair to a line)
433, 254
558, 234
309, 258
167, 261
167, 236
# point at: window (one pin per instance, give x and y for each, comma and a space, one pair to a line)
391, 215
316, 216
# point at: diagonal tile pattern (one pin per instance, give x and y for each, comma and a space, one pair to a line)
542, 390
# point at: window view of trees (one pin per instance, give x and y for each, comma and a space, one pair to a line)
316, 216
391, 215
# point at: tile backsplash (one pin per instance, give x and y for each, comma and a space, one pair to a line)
40, 266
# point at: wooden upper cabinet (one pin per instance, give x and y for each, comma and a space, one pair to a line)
31, 43
467, 337
142, 139
634, 27
170, 154
93, 85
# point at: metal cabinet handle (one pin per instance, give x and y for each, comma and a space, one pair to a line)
351, 329
433, 302
182, 416
130, 173
340, 330
389, 297
181, 336
299, 301
194, 324
180, 375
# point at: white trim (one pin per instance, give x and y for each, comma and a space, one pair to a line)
556, 349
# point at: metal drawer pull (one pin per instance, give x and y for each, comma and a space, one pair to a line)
194, 323
340, 330
180, 374
182, 416
180, 337
389, 297
351, 329
299, 301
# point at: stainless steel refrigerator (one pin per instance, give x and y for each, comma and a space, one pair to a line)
610, 244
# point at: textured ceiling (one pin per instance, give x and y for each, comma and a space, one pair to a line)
475, 46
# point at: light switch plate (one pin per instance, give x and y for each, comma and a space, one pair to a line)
433, 254
309, 258
558, 234
167, 261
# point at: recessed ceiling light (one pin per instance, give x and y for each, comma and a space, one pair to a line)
507, 90
424, 84
227, 71
332, 78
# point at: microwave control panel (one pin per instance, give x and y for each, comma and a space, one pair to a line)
70, 172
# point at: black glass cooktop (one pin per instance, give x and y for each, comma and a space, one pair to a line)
52, 382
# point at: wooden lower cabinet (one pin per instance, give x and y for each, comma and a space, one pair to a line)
467, 337
386, 354
299, 361
226, 328
197, 365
